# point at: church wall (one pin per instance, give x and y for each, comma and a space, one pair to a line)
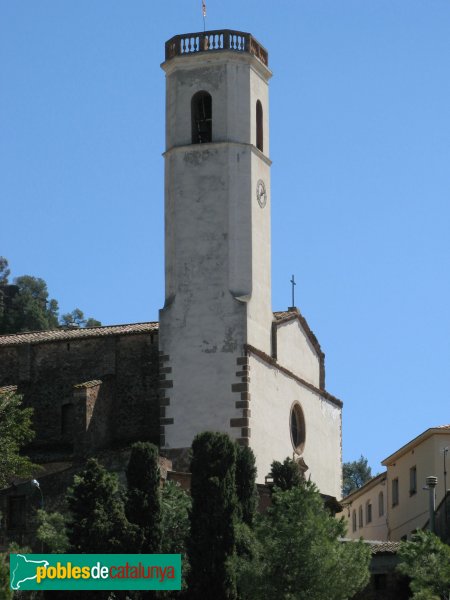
296, 353
272, 395
124, 406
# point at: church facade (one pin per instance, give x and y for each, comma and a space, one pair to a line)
219, 359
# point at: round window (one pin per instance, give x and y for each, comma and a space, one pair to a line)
298, 432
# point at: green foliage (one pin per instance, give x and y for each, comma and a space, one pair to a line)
15, 432
246, 491
97, 523
175, 524
211, 545
286, 475
355, 474
31, 309
52, 531
299, 555
4, 271
76, 318
5, 590
426, 560
143, 507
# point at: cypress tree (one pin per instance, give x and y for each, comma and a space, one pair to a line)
246, 491
211, 546
143, 507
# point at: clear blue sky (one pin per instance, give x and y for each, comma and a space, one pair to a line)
360, 139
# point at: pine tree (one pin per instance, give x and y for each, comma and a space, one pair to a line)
143, 507
97, 523
246, 491
211, 546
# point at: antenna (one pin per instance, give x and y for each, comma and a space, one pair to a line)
204, 14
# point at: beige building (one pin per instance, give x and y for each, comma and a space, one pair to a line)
392, 505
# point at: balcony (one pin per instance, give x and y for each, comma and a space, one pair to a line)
216, 41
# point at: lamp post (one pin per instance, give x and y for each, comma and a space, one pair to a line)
431, 487
35, 483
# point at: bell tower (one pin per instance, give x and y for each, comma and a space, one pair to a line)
217, 232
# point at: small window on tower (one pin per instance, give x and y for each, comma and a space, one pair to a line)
259, 127
297, 428
201, 111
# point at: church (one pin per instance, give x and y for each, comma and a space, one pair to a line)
219, 359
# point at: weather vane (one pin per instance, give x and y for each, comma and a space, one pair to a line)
204, 14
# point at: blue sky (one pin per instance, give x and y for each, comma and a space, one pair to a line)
360, 143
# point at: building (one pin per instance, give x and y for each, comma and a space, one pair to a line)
219, 359
394, 504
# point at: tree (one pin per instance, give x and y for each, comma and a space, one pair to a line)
76, 318
426, 560
175, 526
4, 271
28, 307
97, 523
15, 432
247, 494
355, 474
300, 555
286, 475
211, 545
143, 506
52, 531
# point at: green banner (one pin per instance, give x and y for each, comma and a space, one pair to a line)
95, 571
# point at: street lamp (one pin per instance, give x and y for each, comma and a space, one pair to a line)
35, 483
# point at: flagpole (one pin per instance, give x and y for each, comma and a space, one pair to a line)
204, 15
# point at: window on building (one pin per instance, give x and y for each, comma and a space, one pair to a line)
259, 127
354, 520
361, 521
395, 491
298, 432
201, 114
16, 512
67, 419
412, 481
380, 504
368, 512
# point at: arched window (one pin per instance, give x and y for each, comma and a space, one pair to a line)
354, 520
259, 127
380, 504
201, 114
298, 432
368, 512
361, 522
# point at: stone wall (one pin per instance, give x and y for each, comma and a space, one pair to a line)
87, 392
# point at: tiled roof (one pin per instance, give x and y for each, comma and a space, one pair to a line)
436, 430
378, 547
88, 384
8, 388
283, 314
37, 337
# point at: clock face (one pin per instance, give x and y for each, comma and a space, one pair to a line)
261, 193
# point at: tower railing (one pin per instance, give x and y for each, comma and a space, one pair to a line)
213, 41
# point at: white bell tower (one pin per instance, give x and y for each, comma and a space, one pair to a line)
217, 233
